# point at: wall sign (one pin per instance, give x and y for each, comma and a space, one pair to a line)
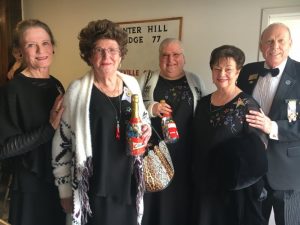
144, 38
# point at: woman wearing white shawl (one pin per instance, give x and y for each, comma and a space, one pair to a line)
89, 150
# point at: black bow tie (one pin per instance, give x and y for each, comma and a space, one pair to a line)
274, 72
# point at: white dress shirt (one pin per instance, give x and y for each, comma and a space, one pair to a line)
264, 93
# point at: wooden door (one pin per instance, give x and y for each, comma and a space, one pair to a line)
10, 15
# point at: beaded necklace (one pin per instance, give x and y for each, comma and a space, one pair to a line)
118, 112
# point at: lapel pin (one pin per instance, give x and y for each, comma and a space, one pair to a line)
253, 77
288, 82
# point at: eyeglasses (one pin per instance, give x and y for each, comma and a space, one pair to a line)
173, 55
108, 51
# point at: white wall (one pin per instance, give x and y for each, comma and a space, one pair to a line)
206, 24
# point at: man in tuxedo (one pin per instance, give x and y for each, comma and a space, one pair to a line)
275, 84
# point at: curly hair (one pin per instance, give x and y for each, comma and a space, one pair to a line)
24, 25
227, 51
101, 29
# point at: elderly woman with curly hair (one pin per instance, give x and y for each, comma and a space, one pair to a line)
93, 172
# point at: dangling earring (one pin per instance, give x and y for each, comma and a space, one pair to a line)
53, 52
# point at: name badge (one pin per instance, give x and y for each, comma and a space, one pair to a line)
127, 95
252, 78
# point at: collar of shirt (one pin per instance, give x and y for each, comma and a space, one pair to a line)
266, 87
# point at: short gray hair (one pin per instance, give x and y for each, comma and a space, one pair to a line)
167, 41
275, 25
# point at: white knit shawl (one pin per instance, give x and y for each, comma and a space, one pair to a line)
75, 133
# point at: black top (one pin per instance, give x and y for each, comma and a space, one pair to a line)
172, 205
229, 159
178, 95
26, 139
25, 132
112, 167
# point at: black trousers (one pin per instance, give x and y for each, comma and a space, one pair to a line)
286, 206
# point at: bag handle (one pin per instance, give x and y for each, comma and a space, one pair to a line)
157, 134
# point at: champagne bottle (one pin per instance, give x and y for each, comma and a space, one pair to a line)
134, 129
168, 126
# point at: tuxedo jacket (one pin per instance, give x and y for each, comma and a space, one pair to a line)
283, 154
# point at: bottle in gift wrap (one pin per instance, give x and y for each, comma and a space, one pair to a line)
134, 129
169, 128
